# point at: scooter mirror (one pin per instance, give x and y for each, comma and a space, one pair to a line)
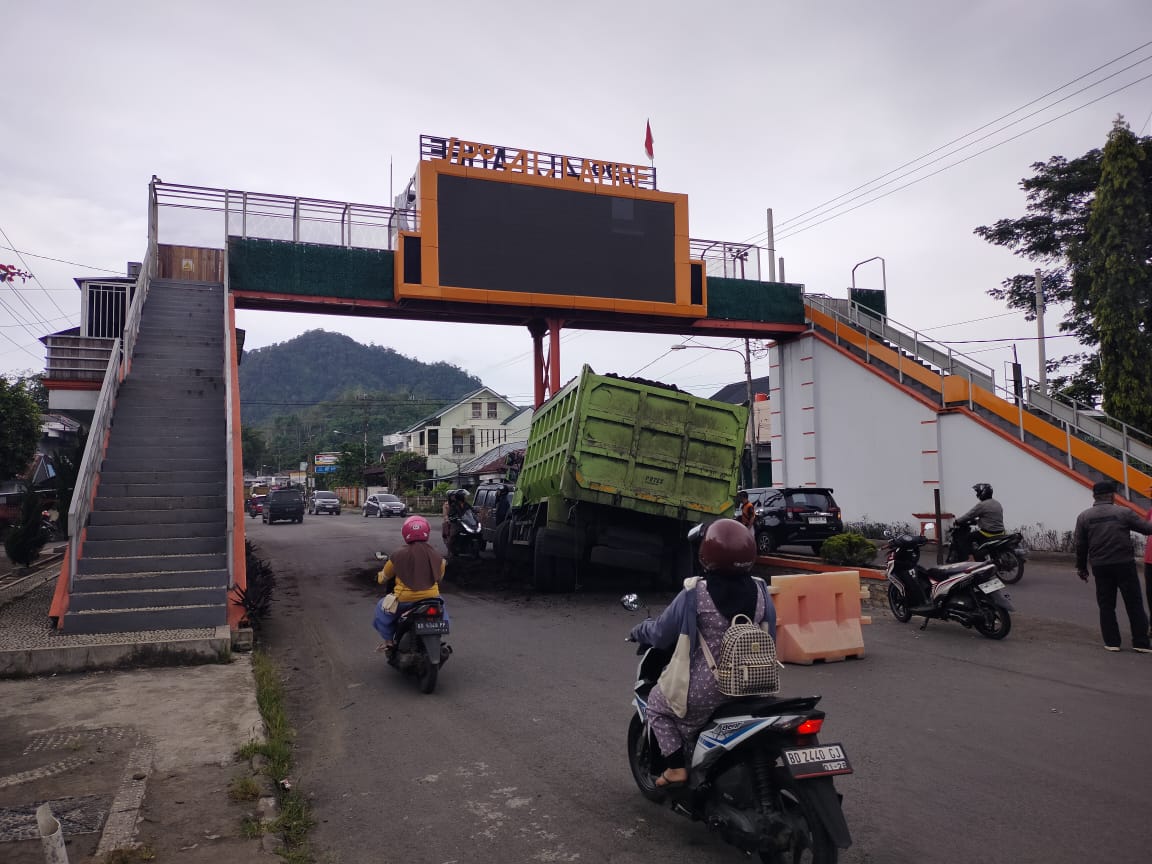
631, 602
381, 556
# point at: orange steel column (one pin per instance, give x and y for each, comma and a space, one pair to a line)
536, 328
554, 325
239, 558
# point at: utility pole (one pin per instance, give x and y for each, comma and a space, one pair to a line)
771, 248
754, 461
1043, 377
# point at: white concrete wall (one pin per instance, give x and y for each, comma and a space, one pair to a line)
838, 424
1031, 490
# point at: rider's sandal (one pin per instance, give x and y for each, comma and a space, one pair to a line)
662, 782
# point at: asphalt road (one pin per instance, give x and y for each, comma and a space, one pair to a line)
1034, 749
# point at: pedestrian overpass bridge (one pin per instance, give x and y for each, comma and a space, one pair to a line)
876, 410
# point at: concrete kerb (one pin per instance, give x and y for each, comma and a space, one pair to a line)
27, 662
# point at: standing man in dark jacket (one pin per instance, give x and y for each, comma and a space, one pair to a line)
1103, 539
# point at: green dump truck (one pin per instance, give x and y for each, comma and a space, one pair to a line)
615, 473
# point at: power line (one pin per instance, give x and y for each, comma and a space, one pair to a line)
762, 234
47, 321
35, 278
962, 161
1046, 337
62, 261
800, 216
794, 228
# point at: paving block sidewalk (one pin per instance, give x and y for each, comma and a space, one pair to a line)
123, 756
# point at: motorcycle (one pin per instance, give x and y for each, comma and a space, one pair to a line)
466, 536
1006, 551
970, 592
420, 650
47, 528
758, 775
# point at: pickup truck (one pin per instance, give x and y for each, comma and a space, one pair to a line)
615, 474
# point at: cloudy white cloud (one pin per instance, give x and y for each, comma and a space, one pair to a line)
752, 104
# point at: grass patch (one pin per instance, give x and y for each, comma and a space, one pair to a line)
244, 789
295, 820
252, 828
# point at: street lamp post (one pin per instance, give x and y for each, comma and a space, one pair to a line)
747, 355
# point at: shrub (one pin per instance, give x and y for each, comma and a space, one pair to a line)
256, 598
1043, 539
875, 530
852, 549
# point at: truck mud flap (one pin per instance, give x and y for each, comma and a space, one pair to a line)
627, 559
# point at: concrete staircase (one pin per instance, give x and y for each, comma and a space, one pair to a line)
155, 553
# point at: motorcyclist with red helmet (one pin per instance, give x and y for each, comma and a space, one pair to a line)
416, 569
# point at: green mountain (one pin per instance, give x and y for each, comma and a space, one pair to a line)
296, 394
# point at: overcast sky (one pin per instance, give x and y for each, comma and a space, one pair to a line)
752, 105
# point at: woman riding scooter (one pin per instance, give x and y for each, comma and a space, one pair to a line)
702, 611
417, 569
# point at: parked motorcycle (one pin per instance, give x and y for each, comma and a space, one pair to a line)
420, 650
969, 592
1006, 551
758, 775
47, 528
466, 536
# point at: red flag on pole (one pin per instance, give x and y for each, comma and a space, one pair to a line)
648, 138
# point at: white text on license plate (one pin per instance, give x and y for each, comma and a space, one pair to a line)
817, 520
820, 761
993, 584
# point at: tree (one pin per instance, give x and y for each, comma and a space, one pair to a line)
1053, 235
405, 469
350, 467
67, 463
25, 540
1114, 284
19, 428
253, 447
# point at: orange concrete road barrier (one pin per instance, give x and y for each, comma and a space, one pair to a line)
818, 616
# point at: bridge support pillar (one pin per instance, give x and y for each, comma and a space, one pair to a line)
545, 370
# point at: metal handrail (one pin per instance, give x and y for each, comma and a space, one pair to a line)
81, 504
1070, 417
243, 212
229, 426
942, 357
119, 362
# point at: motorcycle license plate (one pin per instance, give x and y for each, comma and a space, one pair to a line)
817, 520
993, 584
430, 628
822, 761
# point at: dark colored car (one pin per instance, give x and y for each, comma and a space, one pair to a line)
256, 505
284, 504
384, 504
795, 516
324, 502
485, 499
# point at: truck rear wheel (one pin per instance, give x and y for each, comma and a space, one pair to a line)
551, 573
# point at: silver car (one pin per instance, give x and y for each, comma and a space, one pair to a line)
384, 505
324, 502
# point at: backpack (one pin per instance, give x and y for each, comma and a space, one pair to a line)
748, 664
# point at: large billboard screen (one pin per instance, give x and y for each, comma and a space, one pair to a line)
498, 236
547, 231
